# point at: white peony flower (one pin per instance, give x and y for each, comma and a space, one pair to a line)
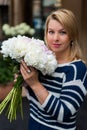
34, 52
20, 29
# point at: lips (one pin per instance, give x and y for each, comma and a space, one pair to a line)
56, 45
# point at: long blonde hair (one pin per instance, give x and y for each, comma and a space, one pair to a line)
68, 20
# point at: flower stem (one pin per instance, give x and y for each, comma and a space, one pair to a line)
13, 100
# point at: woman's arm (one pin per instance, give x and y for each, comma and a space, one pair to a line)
31, 78
71, 96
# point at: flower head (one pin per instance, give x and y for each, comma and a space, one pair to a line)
36, 54
33, 51
20, 29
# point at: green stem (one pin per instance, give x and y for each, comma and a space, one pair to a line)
14, 98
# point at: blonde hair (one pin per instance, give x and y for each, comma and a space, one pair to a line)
68, 20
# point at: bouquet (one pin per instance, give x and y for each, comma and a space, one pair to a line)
20, 29
36, 54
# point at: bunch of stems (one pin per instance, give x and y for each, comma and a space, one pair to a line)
13, 100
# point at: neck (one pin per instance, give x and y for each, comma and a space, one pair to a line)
65, 60
63, 57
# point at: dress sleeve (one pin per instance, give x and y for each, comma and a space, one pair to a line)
71, 97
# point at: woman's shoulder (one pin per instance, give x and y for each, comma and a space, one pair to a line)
79, 65
76, 69
74, 65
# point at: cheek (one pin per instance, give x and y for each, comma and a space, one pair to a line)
49, 38
66, 44
66, 40
49, 41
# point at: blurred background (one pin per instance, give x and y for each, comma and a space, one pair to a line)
27, 17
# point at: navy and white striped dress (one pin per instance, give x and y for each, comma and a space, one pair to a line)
67, 88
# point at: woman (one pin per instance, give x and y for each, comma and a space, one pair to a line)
55, 99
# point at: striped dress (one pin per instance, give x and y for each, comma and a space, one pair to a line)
67, 88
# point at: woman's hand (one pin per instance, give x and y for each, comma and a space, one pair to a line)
29, 74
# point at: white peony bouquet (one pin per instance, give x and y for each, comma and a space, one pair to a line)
20, 29
36, 54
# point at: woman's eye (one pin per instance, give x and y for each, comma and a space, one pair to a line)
50, 32
63, 32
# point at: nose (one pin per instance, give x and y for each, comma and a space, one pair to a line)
56, 37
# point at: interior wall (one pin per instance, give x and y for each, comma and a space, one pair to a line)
84, 28
80, 10
76, 7
18, 11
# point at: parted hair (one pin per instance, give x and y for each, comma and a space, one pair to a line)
69, 22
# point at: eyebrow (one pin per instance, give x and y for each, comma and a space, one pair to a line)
59, 29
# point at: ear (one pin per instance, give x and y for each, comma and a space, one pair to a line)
71, 43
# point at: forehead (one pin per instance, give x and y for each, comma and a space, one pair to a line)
54, 24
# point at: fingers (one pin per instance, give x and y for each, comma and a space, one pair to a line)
27, 72
30, 75
15, 77
23, 70
28, 69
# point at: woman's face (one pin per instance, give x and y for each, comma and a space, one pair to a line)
57, 38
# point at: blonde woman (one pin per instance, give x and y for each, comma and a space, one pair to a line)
56, 99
